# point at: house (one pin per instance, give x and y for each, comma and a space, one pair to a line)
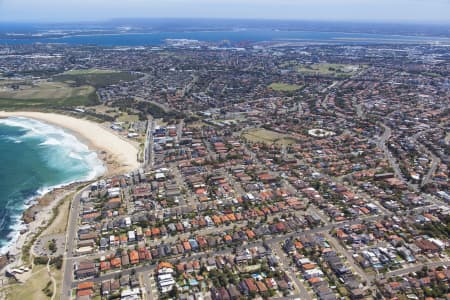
116, 262
187, 246
313, 273
406, 254
250, 234
155, 232
131, 236
202, 242
356, 294
189, 267
106, 288
139, 233
125, 260
427, 246
282, 285
87, 236
113, 203
89, 285
105, 266
233, 292
165, 282
224, 295
262, 288
103, 243
130, 293
289, 246
194, 244
134, 257
85, 269
211, 264
85, 294
250, 283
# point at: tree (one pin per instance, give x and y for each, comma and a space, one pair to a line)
57, 262
174, 293
52, 246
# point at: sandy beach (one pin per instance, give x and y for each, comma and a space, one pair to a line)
119, 154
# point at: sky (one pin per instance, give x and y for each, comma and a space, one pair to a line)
415, 11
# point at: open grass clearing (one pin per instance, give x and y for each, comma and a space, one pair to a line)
59, 224
58, 276
113, 114
32, 288
44, 90
89, 71
284, 87
261, 135
329, 69
44, 94
94, 77
127, 118
197, 124
105, 110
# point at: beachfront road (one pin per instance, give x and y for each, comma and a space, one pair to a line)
70, 243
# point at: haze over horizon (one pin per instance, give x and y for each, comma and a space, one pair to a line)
409, 11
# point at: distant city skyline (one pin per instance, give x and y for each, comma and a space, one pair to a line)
411, 11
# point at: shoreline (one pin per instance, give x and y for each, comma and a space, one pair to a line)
37, 217
117, 154
38, 212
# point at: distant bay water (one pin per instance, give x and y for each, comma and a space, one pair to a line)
253, 36
36, 157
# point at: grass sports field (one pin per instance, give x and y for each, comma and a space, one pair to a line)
329, 69
261, 135
284, 87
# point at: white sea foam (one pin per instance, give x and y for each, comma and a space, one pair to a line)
14, 140
50, 141
17, 224
66, 143
75, 156
64, 152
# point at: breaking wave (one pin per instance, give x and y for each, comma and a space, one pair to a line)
36, 158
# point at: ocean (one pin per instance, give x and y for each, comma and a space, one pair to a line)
36, 157
250, 35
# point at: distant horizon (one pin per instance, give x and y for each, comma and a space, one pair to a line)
131, 19
177, 25
380, 11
